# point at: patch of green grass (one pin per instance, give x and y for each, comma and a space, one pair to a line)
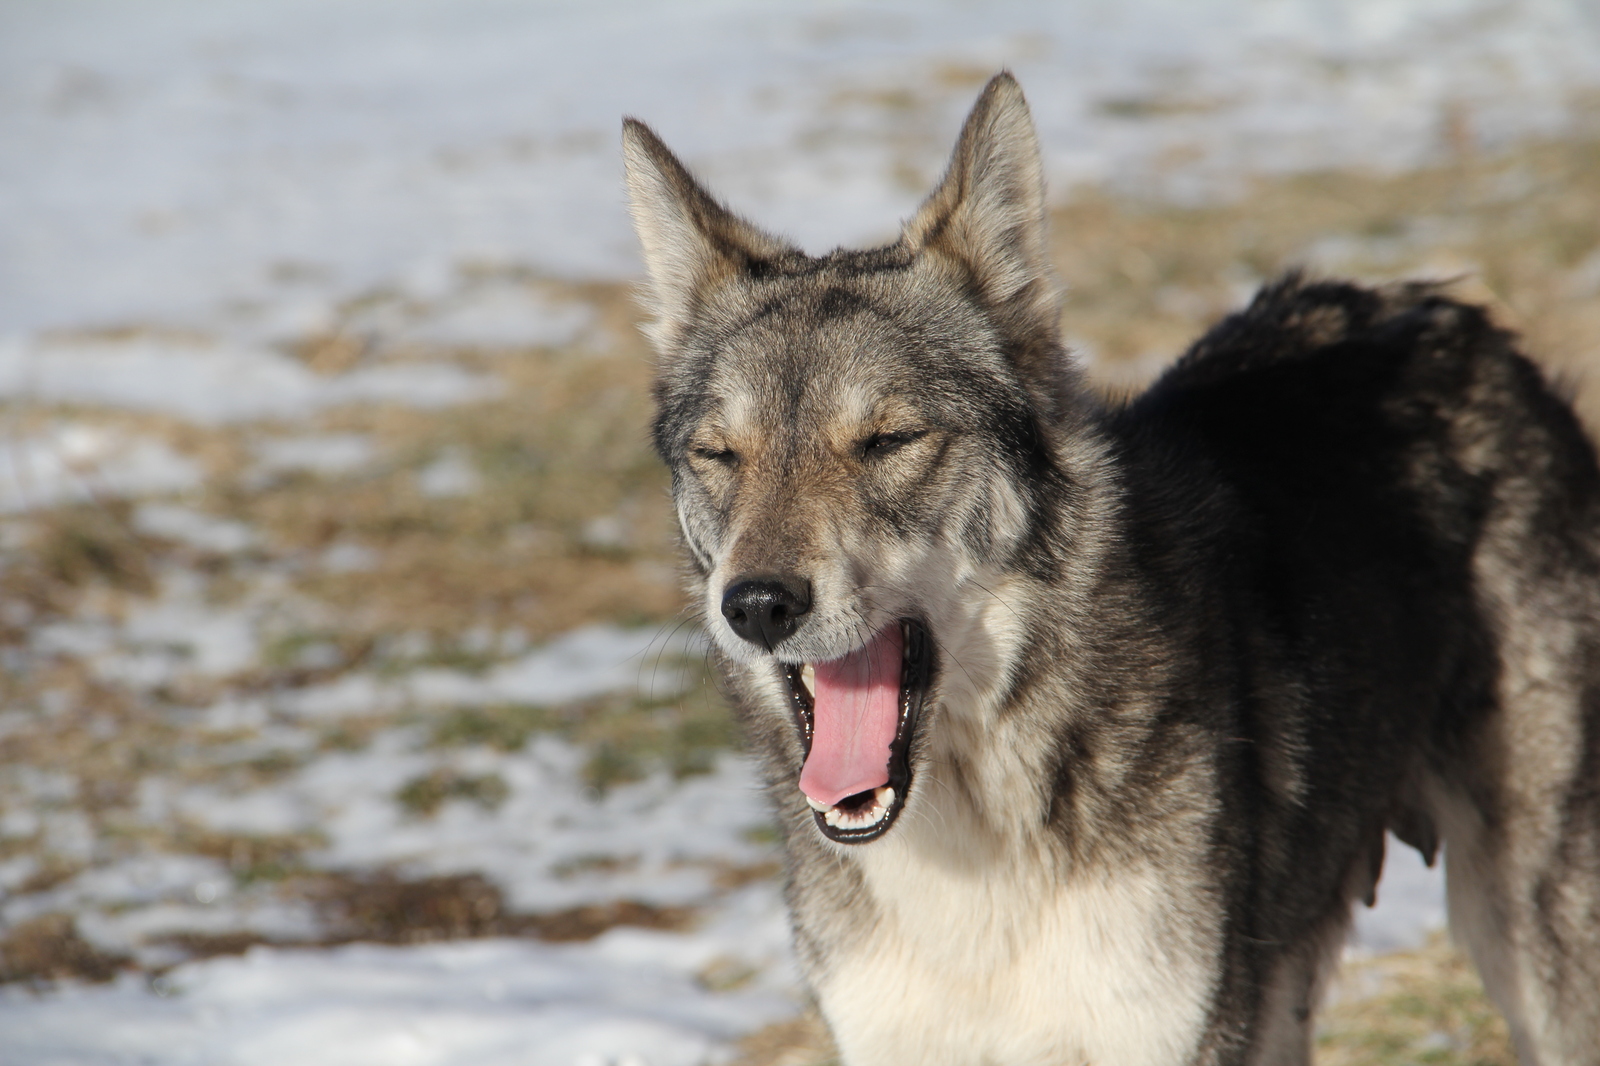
314, 650
630, 738
612, 764
254, 858
349, 735
456, 657
627, 738
271, 765
594, 864
503, 726
1412, 1008
768, 835
423, 796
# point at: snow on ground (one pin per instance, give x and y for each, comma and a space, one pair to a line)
209, 383
325, 453
73, 461
629, 997
626, 999
547, 839
248, 164
550, 841
652, 994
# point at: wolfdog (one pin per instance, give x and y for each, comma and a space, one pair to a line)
1085, 720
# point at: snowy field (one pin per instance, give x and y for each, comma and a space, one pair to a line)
277, 279
240, 166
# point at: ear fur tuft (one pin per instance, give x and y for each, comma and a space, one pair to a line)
691, 242
987, 218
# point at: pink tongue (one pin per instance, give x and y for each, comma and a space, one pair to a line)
857, 708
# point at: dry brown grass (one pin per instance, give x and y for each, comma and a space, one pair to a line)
801, 1041
48, 949
376, 907
394, 910
570, 523
1520, 229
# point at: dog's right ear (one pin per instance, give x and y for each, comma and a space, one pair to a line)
692, 244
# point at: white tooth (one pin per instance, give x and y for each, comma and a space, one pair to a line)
808, 676
882, 800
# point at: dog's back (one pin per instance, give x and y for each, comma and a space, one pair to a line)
1404, 520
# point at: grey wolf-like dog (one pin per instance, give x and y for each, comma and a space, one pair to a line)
1085, 722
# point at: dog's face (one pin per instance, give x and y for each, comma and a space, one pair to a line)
852, 438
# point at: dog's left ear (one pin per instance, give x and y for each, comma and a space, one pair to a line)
692, 244
987, 217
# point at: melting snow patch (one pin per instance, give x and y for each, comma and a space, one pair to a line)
502, 316
585, 663
206, 532
215, 383
423, 385
483, 1003
160, 639
396, 138
347, 557
181, 629
548, 842
451, 474
662, 841
73, 462
326, 454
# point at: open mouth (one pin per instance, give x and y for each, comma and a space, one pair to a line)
856, 716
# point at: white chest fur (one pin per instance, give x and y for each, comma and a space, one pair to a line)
1010, 965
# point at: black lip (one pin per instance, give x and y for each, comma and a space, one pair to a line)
916, 673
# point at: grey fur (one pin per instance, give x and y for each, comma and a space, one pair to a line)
1335, 573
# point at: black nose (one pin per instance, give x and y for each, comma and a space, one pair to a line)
764, 610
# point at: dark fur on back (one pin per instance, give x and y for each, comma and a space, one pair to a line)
1307, 490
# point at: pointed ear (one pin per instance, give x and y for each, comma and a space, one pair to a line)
987, 215
691, 242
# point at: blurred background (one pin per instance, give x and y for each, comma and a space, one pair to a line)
347, 710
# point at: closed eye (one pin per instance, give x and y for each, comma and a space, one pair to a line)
881, 444
724, 456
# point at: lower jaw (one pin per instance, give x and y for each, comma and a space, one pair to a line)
861, 813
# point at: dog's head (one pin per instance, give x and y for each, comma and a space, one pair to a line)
855, 437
